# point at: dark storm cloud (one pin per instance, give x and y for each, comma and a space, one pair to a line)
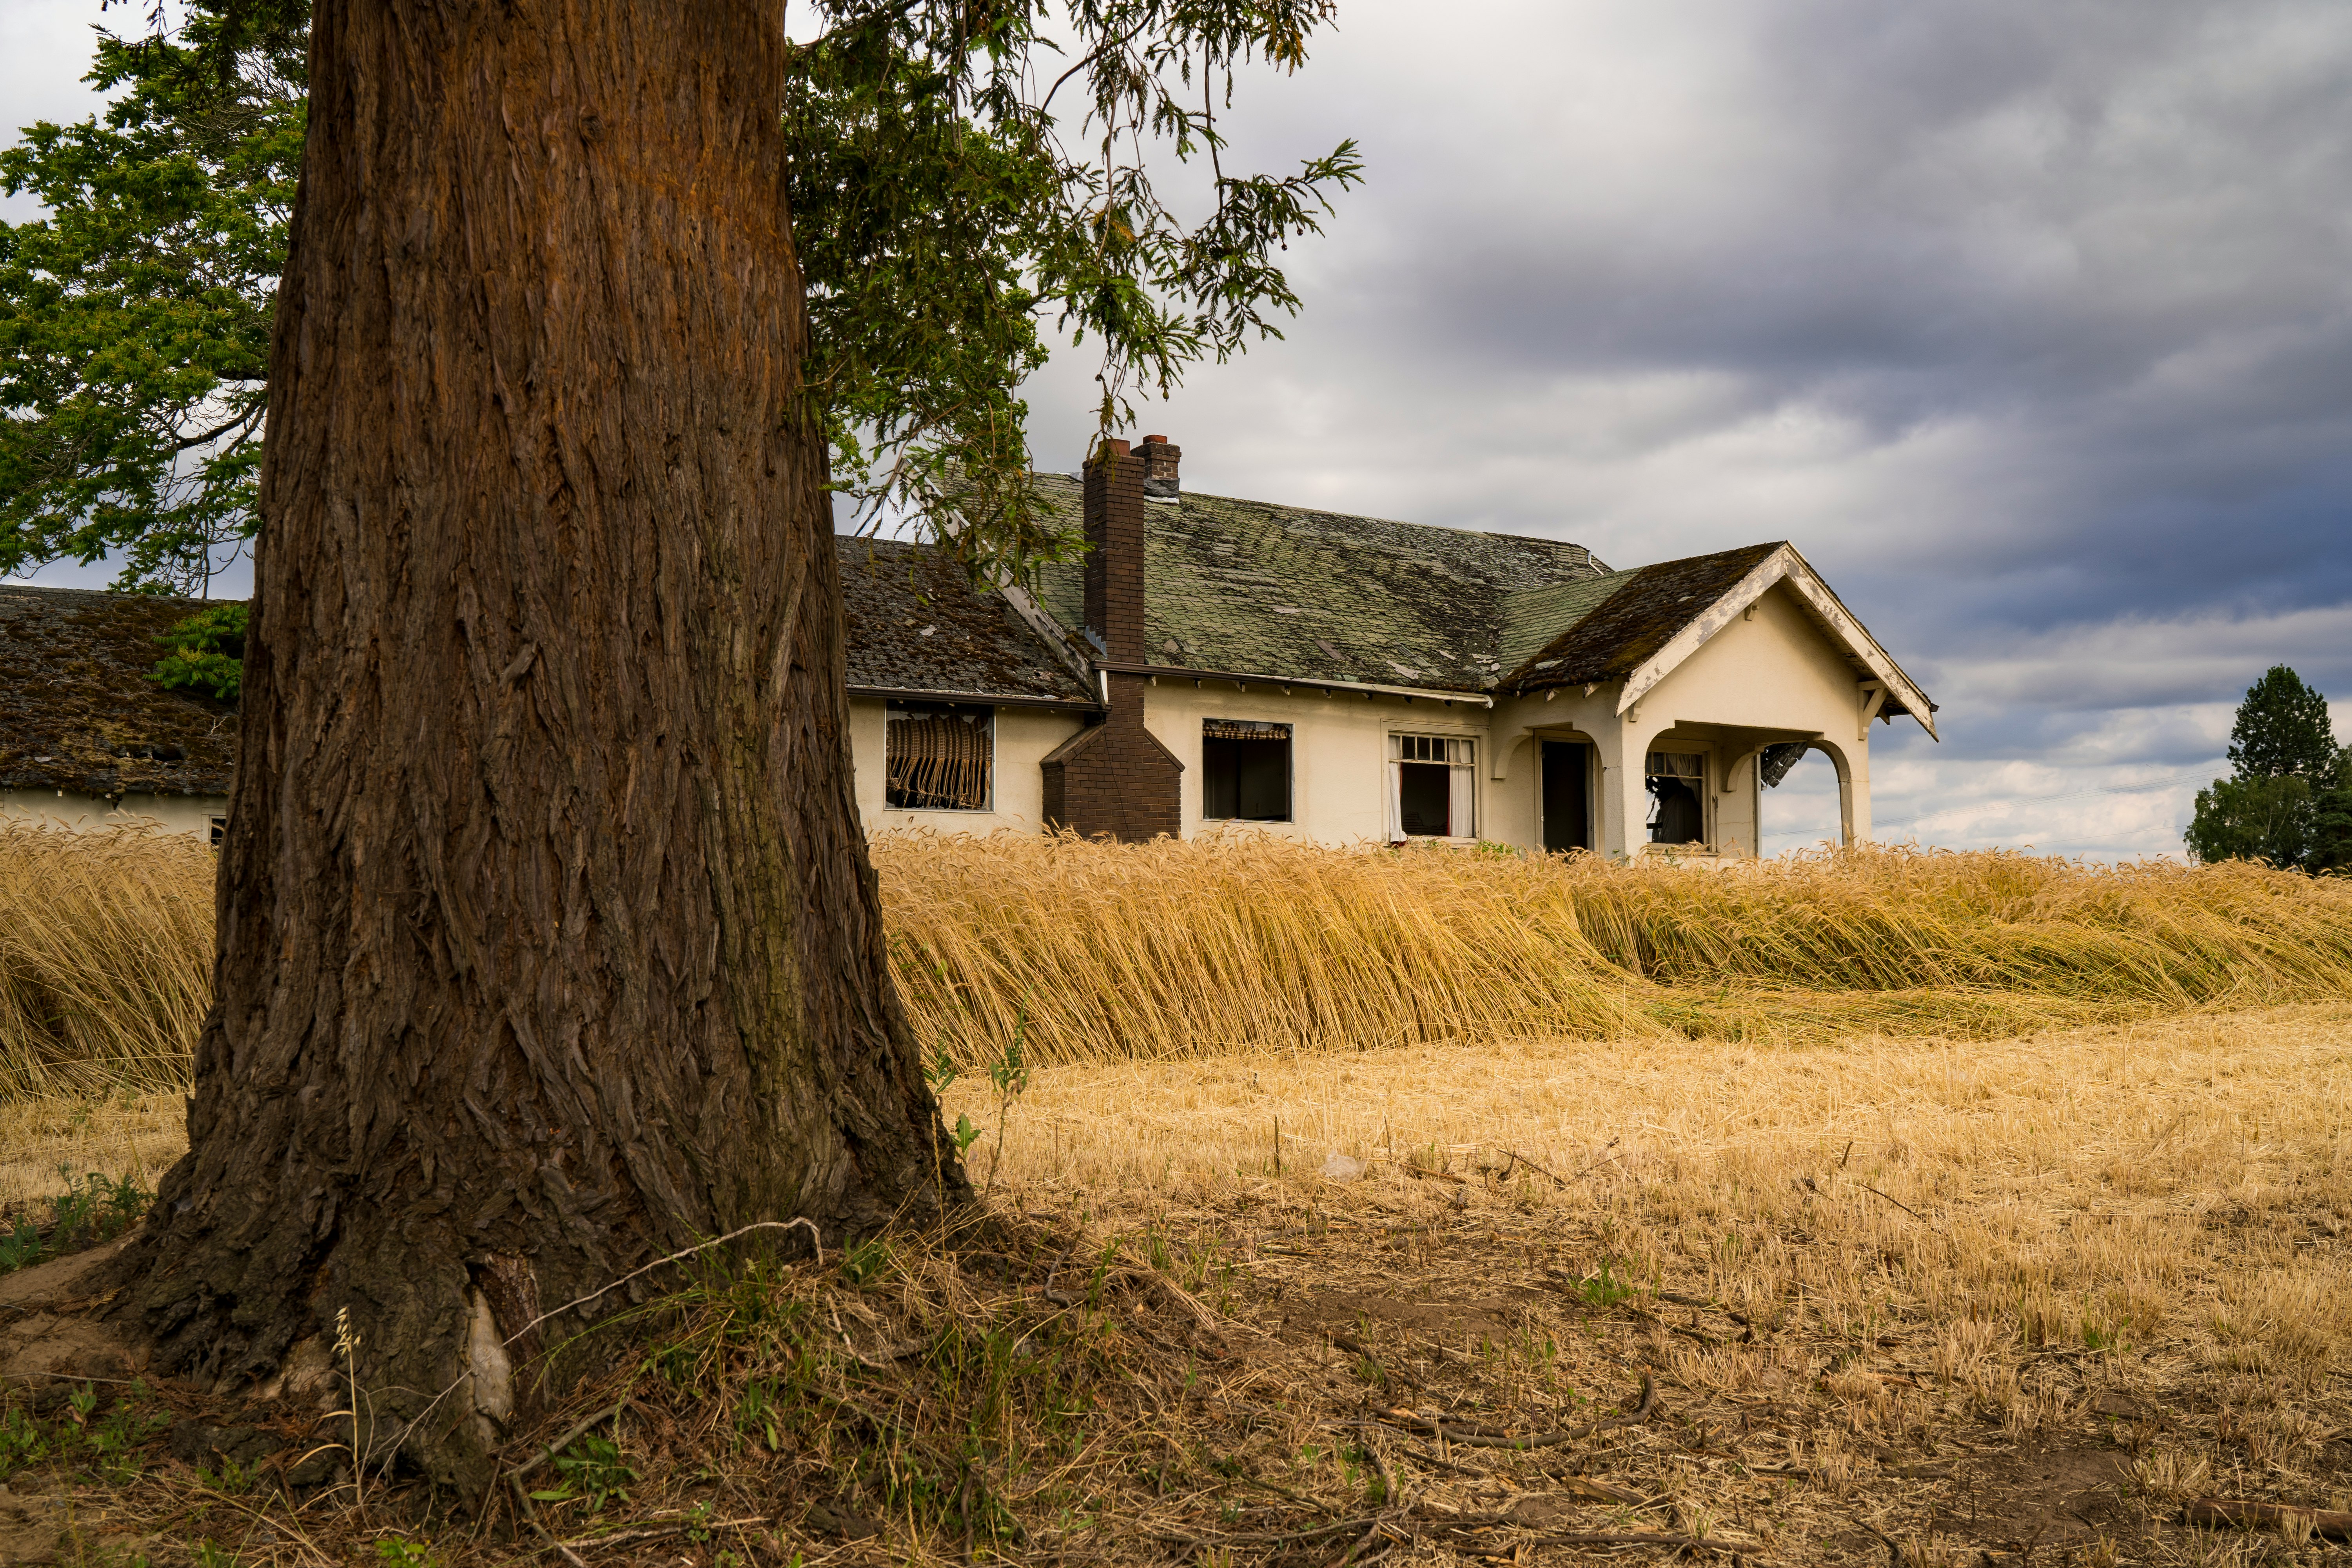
2030, 323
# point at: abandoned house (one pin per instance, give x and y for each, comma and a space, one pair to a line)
1211, 664
1217, 663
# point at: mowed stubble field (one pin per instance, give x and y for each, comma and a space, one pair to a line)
1909, 1273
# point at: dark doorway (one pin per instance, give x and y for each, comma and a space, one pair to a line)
1567, 810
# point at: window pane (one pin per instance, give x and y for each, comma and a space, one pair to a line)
1677, 816
1433, 748
939, 756
1677, 810
1424, 796
1245, 770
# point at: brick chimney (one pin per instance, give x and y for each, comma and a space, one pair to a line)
1114, 778
1114, 518
1160, 460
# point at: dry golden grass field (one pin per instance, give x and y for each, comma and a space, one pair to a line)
1908, 1209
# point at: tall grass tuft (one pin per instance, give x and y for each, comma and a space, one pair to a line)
1229, 944
1226, 942
1874, 919
106, 958
1094, 952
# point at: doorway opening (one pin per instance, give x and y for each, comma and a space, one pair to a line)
1567, 798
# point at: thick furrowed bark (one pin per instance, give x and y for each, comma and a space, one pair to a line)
548, 942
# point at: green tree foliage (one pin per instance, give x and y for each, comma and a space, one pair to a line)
2289, 802
207, 653
2266, 819
2331, 826
967, 176
134, 319
2283, 728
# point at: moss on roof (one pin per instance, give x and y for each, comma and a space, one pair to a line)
916, 624
77, 711
1250, 588
1610, 639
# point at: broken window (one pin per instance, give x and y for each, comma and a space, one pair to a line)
1432, 787
1678, 808
1245, 770
939, 756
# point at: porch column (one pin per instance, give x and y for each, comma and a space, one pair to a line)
1621, 747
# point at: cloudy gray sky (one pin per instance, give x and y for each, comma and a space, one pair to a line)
2028, 322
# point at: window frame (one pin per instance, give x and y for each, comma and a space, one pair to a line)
1253, 728
1398, 745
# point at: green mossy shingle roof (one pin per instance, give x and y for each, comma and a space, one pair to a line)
1610, 639
1251, 588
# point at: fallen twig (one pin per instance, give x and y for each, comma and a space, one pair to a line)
549, 1450
1522, 1159
531, 1516
1898, 1203
1605, 1158
1709, 1340
1680, 1300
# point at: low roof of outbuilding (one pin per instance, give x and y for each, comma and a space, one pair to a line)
77, 711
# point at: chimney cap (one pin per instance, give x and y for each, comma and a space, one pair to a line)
1151, 439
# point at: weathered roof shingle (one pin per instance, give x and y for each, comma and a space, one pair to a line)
1638, 616
1249, 587
915, 626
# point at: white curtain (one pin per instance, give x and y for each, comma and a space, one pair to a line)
1396, 797
1459, 800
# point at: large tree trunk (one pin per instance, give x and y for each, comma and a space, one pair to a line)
548, 941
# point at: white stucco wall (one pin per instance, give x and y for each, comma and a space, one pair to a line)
1024, 736
87, 812
1339, 747
1774, 672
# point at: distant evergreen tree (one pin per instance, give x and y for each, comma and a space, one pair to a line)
2283, 728
2290, 800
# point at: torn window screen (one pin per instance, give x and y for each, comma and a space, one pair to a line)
1677, 810
939, 756
1773, 766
